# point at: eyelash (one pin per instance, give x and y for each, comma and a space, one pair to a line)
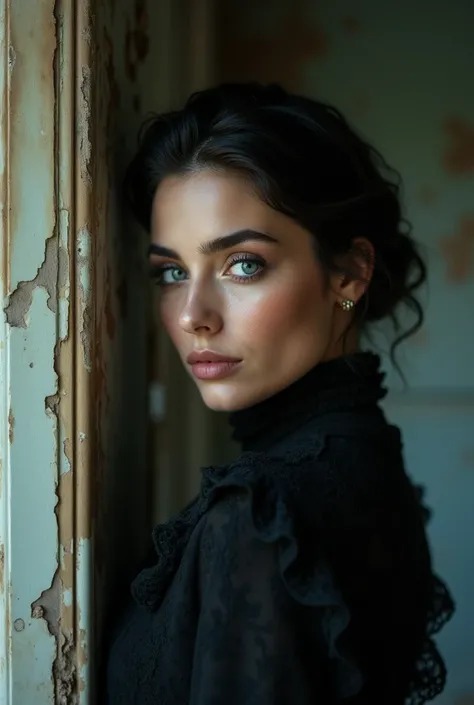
158, 271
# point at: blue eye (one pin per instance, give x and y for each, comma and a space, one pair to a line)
246, 267
167, 275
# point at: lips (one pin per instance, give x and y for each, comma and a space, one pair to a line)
208, 356
209, 366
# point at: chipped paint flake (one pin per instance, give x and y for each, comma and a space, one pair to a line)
83, 251
19, 302
84, 115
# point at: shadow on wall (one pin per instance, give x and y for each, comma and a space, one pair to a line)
279, 40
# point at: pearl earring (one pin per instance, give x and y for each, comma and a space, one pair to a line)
347, 305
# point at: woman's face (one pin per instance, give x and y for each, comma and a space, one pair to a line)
241, 289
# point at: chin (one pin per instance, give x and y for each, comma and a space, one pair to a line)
219, 397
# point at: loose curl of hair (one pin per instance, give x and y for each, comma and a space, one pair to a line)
304, 160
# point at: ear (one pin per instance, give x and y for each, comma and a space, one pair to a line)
358, 267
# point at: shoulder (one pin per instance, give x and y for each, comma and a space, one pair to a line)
315, 478
260, 535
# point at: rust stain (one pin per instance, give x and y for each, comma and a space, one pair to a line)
458, 252
458, 156
280, 57
137, 40
20, 300
11, 426
351, 24
427, 196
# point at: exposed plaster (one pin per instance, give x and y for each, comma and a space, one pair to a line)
83, 253
47, 607
51, 273
84, 118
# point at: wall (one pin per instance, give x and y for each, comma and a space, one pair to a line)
46, 540
401, 72
74, 461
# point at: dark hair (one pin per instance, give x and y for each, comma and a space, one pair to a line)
305, 161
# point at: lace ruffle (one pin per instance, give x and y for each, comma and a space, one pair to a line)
273, 523
272, 496
429, 679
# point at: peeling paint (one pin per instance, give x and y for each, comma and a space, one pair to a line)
19, 625
19, 301
83, 262
2, 568
84, 118
63, 274
47, 607
67, 449
11, 426
52, 404
11, 59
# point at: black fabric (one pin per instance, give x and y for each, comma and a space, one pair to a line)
300, 574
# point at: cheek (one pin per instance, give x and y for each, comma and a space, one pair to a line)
286, 310
169, 314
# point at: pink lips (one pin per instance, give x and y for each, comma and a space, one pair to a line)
210, 366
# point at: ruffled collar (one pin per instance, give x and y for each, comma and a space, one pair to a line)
342, 384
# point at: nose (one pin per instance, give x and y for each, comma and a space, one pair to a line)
200, 315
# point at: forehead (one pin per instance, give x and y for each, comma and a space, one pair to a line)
205, 205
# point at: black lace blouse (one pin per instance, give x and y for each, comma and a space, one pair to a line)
301, 574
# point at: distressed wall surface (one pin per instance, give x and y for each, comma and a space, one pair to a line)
73, 372
44, 646
402, 73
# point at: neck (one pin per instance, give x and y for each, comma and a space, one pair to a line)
348, 382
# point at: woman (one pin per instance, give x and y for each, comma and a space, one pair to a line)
301, 573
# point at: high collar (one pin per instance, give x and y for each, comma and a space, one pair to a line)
343, 384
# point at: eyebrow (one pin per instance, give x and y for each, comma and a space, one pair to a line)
218, 245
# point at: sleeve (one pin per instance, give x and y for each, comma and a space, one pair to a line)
255, 644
